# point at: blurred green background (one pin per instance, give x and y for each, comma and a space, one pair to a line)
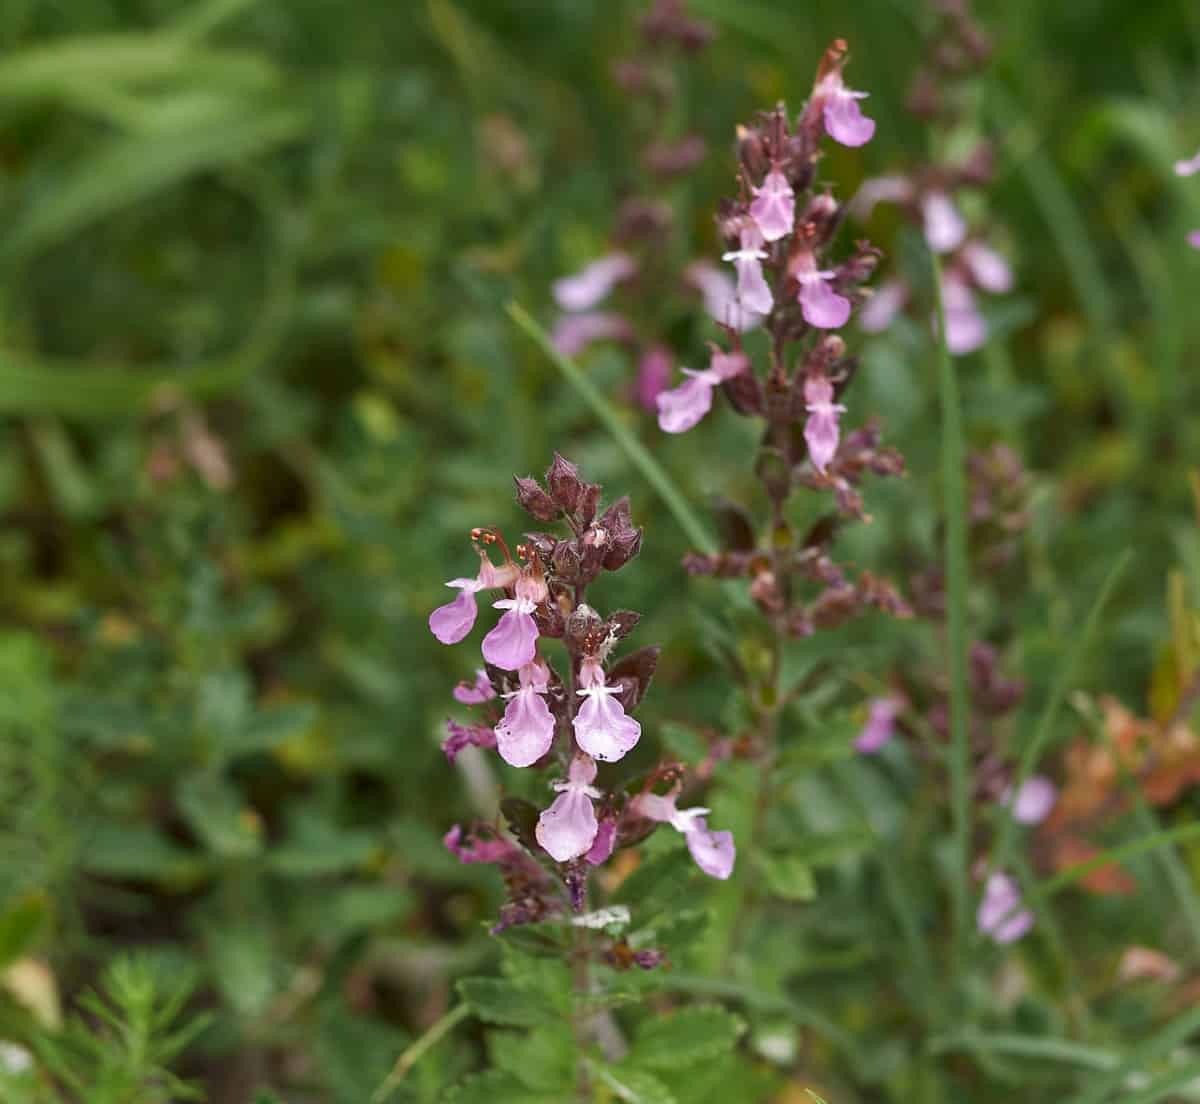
257, 383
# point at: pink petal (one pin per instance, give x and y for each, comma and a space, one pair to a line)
464, 736
945, 228
603, 729
682, 407
966, 329
606, 840
774, 207
821, 435
478, 691
822, 306
878, 312
1034, 800
453, 621
844, 120
720, 297
526, 732
476, 850
989, 269
568, 828
714, 852
879, 727
654, 373
1000, 915
575, 332
513, 642
1193, 239
752, 290
592, 284
1188, 168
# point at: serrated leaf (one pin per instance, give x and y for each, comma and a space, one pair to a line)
497, 1087
787, 876
633, 1086
542, 1059
502, 1002
690, 1035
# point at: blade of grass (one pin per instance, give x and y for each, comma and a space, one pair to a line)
652, 471
1139, 846
955, 510
1045, 725
1165, 1084
418, 1050
1161, 1043
1025, 1046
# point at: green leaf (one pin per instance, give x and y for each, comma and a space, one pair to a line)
787, 876
632, 1086
692, 1035
540, 1059
497, 1087
20, 924
213, 810
502, 1002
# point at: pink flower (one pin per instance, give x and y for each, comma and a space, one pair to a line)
568, 828
945, 228
881, 721
464, 736
592, 284
575, 332
526, 731
988, 269
478, 691
844, 120
878, 312
1188, 168
773, 208
966, 329
453, 621
477, 850
822, 307
1034, 800
720, 297
714, 852
682, 407
880, 189
752, 290
1000, 914
1193, 239
602, 728
513, 642
654, 373
821, 430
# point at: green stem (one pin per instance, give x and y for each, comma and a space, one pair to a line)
417, 1051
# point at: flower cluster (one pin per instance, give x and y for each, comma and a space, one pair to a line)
573, 716
779, 234
645, 222
929, 193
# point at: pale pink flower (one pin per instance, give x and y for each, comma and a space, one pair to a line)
988, 269
1000, 914
966, 329
945, 228
844, 120
821, 305
773, 208
602, 728
568, 828
453, 621
476, 850
474, 693
592, 284
720, 297
526, 731
1188, 168
752, 290
714, 852
821, 430
575, 332
1034, 799
682, 407
881, 724
878, 312
513, 642
880, 189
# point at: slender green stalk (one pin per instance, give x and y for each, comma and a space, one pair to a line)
652, 471
418, 1050
1140, 846
955, 509
1025, 1046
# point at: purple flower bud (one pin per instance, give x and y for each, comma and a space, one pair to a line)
534, 501
463, 736
526, 732
945, 228
568, 828
773, 208
648, 959
1034, 799
821, 430
589, 286
605, 841
881, 723
602, 728
453, 621
477, 850
1000, 914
